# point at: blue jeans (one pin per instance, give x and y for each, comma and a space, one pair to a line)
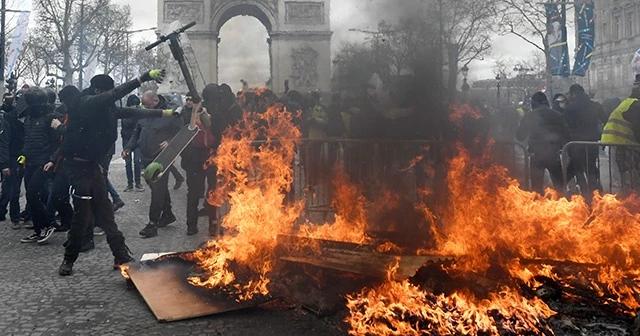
112, 191
10, 195
133, 165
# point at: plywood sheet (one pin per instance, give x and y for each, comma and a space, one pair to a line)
164, 287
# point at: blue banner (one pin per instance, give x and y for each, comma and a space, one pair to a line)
557, 42
586, 39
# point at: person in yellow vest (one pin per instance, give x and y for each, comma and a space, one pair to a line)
623, 128
521, 110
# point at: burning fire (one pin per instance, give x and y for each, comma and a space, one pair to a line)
485, 220
124, 271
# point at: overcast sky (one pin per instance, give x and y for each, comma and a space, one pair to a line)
248, 58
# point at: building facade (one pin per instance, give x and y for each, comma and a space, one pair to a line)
617, 39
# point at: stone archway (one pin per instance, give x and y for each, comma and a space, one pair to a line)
299, 30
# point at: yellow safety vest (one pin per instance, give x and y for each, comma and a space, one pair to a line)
617, 130
521, 112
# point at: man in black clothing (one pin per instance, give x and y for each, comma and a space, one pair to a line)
91, 131
547, 133
11, 143
152, 136
583, 116
60, 187
40, 142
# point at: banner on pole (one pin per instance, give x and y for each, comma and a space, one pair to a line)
586, 39
557, 42
17, 41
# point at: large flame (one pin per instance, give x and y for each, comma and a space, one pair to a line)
485, 219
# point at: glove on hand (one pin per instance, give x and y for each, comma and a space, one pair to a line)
172, 113
155, 74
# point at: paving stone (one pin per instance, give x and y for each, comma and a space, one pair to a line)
95, 300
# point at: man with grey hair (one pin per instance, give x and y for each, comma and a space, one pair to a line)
151, 136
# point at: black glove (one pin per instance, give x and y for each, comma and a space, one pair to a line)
155, 74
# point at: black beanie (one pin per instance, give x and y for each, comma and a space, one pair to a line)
539, 99
68, 93
133, 100
102, 82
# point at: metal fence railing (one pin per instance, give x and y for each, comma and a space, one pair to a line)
406, 166
609, 168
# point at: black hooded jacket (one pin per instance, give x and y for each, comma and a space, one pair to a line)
40, 140
547, 133
11, 138
583, 116
93, 122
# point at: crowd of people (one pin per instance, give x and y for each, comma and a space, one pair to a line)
574, 117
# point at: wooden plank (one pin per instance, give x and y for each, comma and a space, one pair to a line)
164, 287
409, 265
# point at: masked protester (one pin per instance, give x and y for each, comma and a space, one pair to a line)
583, 116
11, 143
547, 133
40, 142
59, 196
91, 131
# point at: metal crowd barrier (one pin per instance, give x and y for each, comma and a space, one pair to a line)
614, 168
374, 165
406, 166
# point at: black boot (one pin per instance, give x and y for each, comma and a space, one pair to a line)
192, 230
122, 255
151, 230
66, 268
166, 219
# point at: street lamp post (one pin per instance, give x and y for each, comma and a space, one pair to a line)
126, 50
498, 79
465, 86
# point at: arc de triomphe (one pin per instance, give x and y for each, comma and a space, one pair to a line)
299, 31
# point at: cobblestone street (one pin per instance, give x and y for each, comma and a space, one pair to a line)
34, 300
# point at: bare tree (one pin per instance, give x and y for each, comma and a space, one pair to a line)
466, 28
31, 64
115, 23
61, 23
527, 19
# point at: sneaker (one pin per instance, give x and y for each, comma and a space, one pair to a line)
28, 225
118, 205
179, 182
45, 235
88, 246
66, 268
15, 225
139, 187
33, 238
122, 256
128, 188
98, 231
149, 231
165, 220
192, 230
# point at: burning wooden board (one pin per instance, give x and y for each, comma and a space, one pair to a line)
164, 287
350, 257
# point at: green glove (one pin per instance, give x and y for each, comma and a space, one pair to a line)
172, 113
155, 74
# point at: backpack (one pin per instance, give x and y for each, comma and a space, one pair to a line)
204, 139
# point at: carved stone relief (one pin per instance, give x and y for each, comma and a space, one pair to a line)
305, 13
185, 11
304, 69
272, 5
